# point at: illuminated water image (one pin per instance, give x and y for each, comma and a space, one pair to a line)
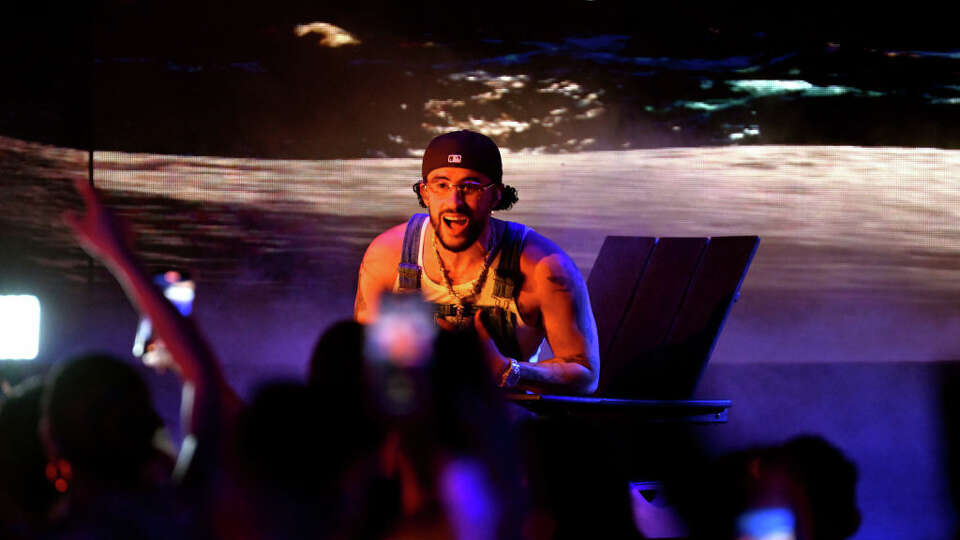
866, 234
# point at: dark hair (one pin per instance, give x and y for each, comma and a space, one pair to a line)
337, 359
829, 480
508, 196
101, 415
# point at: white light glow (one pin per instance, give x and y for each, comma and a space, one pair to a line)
19, 327
179, 293
333, 36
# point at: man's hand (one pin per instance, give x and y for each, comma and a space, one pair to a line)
498, 363
99, 231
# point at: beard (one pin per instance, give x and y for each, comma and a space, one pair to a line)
455, 237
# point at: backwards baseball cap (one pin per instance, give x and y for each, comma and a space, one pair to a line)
465, 150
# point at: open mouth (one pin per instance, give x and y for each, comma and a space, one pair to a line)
457, 223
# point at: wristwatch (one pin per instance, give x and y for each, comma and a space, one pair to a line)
511, 375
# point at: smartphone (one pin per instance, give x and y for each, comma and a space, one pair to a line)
403, 332
180, 290
775, 523
398, 348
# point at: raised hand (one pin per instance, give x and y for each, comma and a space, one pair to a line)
100, 232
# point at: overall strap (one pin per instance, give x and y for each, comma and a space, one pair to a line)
409, 270
509, 279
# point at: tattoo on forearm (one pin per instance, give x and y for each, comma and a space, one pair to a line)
578, 359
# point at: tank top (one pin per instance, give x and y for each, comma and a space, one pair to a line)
497, 297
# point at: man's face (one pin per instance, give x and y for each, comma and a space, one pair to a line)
457, 216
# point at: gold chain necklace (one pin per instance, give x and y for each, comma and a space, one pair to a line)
481, 277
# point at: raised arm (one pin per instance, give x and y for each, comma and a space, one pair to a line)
561, 293
212, 403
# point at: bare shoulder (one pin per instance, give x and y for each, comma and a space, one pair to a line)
548, 267
383, 254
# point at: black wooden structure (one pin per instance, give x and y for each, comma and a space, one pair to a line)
660, 304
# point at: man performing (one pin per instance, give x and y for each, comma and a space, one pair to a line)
514, 285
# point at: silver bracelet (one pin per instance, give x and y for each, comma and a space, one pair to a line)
511, 375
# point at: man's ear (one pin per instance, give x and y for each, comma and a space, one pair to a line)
421, 193
424, 193
499, 196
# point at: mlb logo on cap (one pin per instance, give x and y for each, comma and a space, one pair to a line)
464, 150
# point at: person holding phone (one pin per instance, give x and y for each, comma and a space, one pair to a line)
209, 403
512, 285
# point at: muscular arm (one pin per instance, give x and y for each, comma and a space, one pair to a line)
377, 273
553, 287
570, 328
